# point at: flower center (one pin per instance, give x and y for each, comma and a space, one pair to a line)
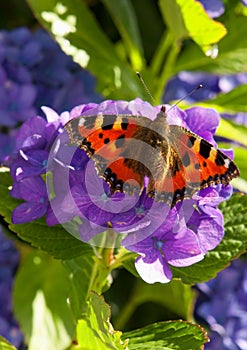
104, 197
140, 211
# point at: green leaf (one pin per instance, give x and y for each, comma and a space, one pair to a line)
173, 18
232, 131
176, 297
240, 156
54, 240
94, 330
231, 56
123, 15
202, 29
80, 271
79, 35
40, 302
168, 336
233, 244
231, 102
5, 345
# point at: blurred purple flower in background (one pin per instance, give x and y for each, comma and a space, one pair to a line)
222, 304
9, 260
34, 71
214, 8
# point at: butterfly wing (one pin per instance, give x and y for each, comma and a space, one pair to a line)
126, 149
193, 163
105, 139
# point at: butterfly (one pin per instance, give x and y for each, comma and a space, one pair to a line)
132, 152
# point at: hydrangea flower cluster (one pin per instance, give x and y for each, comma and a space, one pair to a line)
34, 71
222, 305
9, 260
180, 236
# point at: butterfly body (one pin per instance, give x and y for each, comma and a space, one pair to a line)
129, 149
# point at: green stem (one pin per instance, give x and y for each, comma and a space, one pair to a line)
126, 311
121, 257
167, 70
103, 260
160, 54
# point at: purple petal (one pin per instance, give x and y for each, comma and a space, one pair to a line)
155, 271
32, 130
33, 189
203, 121
27, 212
182, 249
88, 231
210, 230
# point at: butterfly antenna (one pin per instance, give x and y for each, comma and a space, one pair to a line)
145, 86
175, 104
184, 97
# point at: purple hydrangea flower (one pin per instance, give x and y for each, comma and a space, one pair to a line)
222, 303
9, 260
33, 143
173, 243
185, 81
33, 190
82, 201
34, 71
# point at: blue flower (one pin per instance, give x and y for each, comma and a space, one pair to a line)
9, 260
214, 8
222, 303
34, 71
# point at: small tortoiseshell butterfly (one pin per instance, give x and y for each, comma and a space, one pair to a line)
129, 149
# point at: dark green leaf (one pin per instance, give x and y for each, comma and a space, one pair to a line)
123, 15
175, 297
172, 15
169, 335
40, 302
233, 244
